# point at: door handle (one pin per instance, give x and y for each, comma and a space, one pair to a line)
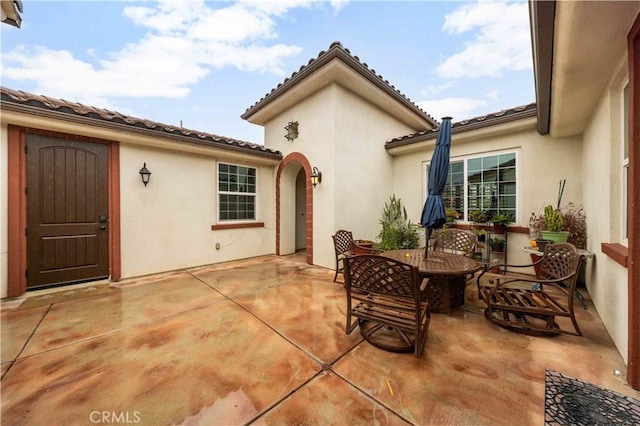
103, 218
103, 227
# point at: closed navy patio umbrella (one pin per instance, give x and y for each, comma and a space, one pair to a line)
433, 214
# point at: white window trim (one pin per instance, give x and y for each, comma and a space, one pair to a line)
465, 159
218, 193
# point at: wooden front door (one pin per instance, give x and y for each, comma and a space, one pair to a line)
67, 205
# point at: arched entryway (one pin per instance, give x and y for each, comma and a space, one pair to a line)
294, 206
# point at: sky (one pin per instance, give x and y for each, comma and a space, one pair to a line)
203, 63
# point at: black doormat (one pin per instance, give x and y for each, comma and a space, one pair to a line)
569, 401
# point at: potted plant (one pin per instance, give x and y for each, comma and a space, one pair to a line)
478, 216
554, 225
398, 232
481, 234
451, 214
500, 222
574, 222
363, 246
497, 244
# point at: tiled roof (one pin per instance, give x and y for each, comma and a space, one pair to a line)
336, 50
20, 101
493, 119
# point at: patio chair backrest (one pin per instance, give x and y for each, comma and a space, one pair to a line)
456, 241
343, 242
560, 260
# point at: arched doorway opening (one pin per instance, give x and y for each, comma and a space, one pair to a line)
294, 206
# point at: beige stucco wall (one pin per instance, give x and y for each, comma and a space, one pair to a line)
343, 136
167, 225
542, 162
602, 188
3, 211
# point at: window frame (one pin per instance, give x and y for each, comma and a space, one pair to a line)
219, 193
465, 160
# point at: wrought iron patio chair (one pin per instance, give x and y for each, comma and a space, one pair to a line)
456, 241
384, 297
532, 305
343, 246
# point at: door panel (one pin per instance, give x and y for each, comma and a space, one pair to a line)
67, 202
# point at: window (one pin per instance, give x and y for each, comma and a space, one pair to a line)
236, 192
453, 194
625, 161
482, 183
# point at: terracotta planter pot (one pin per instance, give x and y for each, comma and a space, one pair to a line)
362, 246
499, 228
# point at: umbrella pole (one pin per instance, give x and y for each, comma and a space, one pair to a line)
428, 237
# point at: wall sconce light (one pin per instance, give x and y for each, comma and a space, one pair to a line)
292, 130
145, 174
316, 176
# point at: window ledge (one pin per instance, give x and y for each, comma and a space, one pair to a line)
237, 225
617, 252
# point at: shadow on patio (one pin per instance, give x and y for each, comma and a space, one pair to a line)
262, 341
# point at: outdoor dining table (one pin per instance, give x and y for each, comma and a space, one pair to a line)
447, 274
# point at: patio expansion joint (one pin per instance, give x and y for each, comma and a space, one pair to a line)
107, 333
374, 399
253, 314
26, 342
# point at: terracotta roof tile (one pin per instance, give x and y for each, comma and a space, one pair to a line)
511, 114
336, 50
12, 98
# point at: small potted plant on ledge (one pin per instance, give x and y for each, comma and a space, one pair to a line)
554, 224
477, 218
497, 245
451, 214
500, 222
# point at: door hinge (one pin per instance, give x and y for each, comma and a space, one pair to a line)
26, 149
26, 273
25, 190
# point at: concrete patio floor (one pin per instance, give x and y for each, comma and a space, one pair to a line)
262, 341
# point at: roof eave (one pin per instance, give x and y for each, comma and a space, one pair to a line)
542, 19
463, 127
104, 124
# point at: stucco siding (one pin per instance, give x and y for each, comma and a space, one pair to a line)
602, 187
364, 170
316, 117
167, 225
342, 135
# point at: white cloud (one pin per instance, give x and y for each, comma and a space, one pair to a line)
185, 41
501, 42
459, 108
433, 89
337, 5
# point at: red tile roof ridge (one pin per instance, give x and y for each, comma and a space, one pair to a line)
336, 49
505, 115
12, 96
